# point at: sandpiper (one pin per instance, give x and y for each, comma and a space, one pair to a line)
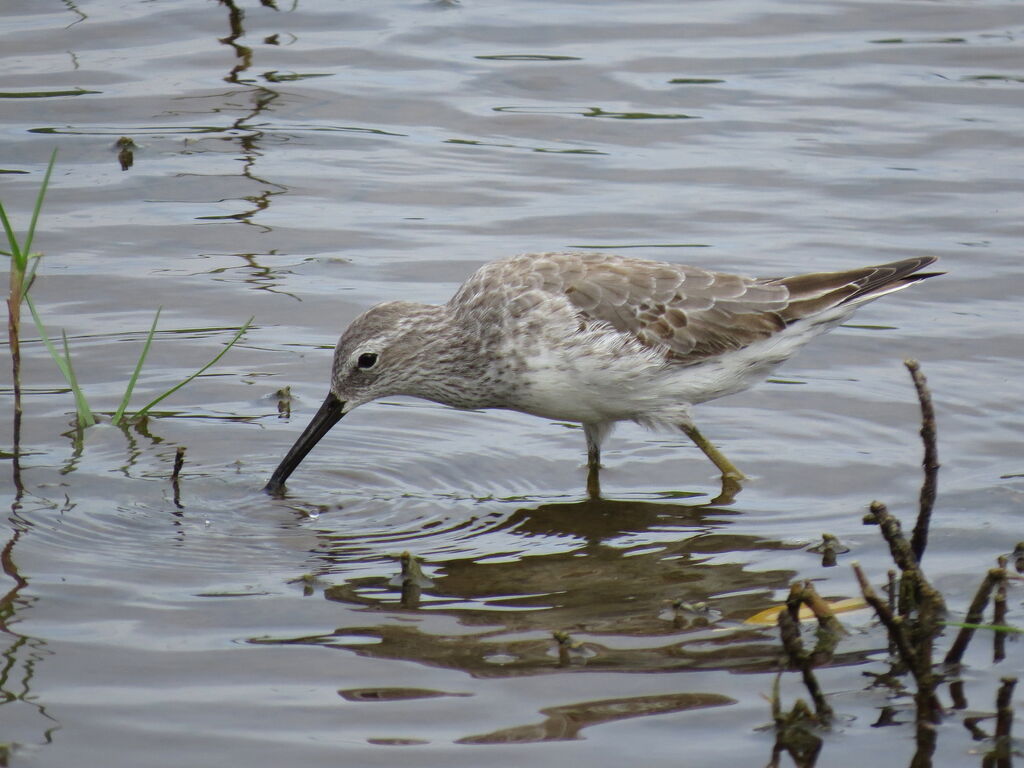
592, 338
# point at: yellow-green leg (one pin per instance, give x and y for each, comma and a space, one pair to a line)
731, 477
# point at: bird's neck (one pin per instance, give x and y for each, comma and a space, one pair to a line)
450, 364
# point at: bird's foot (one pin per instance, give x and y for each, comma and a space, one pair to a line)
731, 486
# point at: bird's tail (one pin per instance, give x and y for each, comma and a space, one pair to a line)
816, 292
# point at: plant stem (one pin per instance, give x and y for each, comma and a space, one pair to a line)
13, 327
17, 277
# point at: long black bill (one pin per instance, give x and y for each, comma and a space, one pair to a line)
330, 413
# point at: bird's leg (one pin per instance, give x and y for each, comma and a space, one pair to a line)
731, 476
595, 434
593, 482
718, 458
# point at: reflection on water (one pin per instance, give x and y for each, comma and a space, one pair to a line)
21, 653
564, 723
634, 569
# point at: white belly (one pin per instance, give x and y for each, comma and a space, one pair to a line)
609, 377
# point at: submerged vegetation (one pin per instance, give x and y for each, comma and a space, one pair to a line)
913, 616
24, 265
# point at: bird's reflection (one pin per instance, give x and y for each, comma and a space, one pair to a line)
730, 487
600, 569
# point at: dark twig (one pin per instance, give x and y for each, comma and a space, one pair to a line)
886, 717
977, 732
829, 548
925, 738
794, 731
891, 592
902, 552
915, 619
956, 693
931, 459
974, 614
1003, 749
566, 647
895, 625
914, 651
179, 462
999, 614
795, 734
828, 636
915, 593
829, 628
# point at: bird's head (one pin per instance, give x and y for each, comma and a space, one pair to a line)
376, 357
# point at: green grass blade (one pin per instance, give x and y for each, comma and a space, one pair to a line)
46, 339
29, 275
994, 627
179, 385
85, 416
16, 252
26, 249
138, 369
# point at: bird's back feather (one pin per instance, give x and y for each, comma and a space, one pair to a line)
690, 313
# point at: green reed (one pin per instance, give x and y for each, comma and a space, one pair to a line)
24, 264
23, 268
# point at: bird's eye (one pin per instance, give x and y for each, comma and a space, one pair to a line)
367, 360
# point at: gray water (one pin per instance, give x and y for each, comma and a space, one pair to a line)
301, 163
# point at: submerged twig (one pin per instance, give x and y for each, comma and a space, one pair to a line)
411, 580
789, 630
830, 547
1002, 750
925, 739
829, 631
914, 613
179, 462
974, 615
794, 732
567, 647
896, 627
999, 614
913, 647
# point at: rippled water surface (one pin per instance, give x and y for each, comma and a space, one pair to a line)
300, 163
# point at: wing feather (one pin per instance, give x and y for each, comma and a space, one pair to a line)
689, 313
